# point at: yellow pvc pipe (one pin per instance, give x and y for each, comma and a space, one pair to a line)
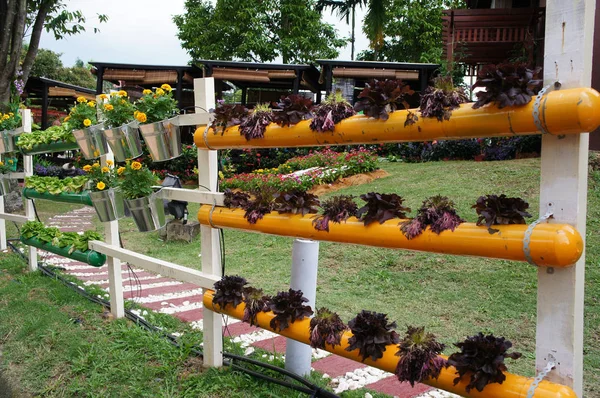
571, 111
514, 386
556, 245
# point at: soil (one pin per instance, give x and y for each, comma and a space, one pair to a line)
357, 179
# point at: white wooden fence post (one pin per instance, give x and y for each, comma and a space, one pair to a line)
568, 58
115, 277
204, 94
28, 169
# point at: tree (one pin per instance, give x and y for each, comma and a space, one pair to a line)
413, 31
28, 18
344, 9
374, 23
256, 30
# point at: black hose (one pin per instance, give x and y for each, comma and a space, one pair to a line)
311, 389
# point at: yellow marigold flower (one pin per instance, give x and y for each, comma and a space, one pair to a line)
96, 165
101, 185
87, 122
10, 161
105, 169
81, 99
141, 117
146, 92
87, 168
122, 93
114, 93
135, 113
110, 162
108, 107
11, 114
91, 104
5, 117
166, 87
1, 163
120, 170
103, 96
160, 91
136, 165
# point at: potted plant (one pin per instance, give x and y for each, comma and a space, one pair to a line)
86, 130
157, 112
441, 99
5, 179
106, 196
8, 124
146, 207
121, 129
330, 112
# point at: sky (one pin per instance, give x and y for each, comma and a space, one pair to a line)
142, 32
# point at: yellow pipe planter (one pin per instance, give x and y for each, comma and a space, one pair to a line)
571, 111
556, 245
514, 386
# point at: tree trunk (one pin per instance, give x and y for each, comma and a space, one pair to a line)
11, 45
34, 41
353, 39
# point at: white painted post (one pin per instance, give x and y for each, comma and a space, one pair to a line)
204, 94
115, 277
568, 58
305, 263
28, 169
3, 235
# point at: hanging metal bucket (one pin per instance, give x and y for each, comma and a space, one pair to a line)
5, 184
109, 204
8, 139
163, 139
124, 141
148, 212
91, 141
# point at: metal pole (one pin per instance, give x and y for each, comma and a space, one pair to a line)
305, 263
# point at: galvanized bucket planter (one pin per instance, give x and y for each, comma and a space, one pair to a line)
91, 141
8, 139
109, 204
124, 141
148, 212
5, 184
163, 139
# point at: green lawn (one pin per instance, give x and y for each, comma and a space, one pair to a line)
451, 296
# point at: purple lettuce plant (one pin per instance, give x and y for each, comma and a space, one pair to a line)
256, 302
296, 202
500, 210
292, 109
372, 333
336, 209
235, 200
482, 357
255, 125
228, 291
379, 98
326, 327
419, 356
227, 115
259, 206
330, 112
440, 100
288, 307
381, 207
437, 212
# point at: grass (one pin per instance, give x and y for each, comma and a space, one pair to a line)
451, 296
54, 343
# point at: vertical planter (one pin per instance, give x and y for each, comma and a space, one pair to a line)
124, 141
109, 204
8, 140
148, 212
163, 139
91, 141
5, 184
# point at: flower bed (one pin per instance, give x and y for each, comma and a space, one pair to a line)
323, 167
